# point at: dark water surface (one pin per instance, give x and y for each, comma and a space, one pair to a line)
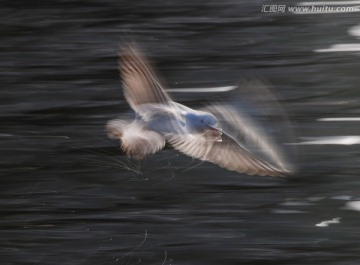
69, 195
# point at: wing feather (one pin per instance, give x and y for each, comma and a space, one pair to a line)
228, 154
141, 84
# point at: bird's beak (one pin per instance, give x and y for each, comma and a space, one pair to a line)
215, 133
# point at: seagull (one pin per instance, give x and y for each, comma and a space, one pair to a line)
196, 133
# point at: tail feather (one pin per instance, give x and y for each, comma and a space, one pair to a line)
136, 140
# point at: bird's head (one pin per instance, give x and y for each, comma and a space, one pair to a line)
202, 121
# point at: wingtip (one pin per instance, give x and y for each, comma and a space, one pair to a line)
284, 172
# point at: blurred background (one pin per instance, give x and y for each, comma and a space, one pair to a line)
69, 195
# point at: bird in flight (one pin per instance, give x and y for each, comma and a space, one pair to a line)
196, 133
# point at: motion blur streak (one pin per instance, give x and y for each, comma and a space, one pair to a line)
337, 140
340, 119
203, 90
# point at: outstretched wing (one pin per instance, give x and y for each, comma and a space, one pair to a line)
141, 85
230, 153
227, 153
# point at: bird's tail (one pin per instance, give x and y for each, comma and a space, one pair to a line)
136, 140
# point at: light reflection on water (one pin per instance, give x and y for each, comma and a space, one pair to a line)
337, 140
